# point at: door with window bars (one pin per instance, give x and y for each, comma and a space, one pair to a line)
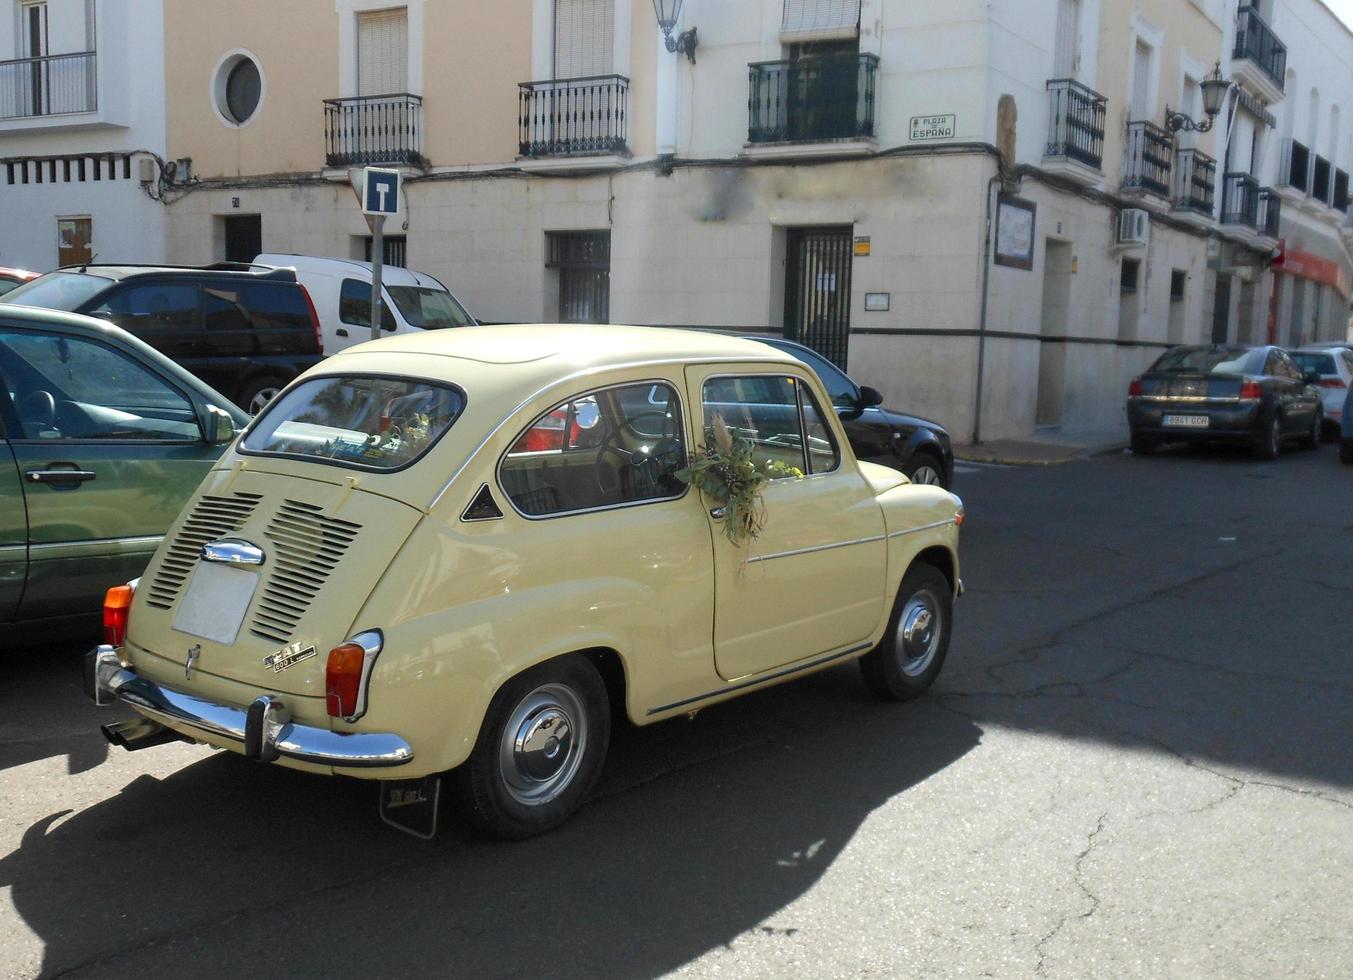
817, 290
583, 262
33, 28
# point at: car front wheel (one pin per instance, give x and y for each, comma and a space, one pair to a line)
1269, 442
539, 752
925, 469
255, 393
1311, 440
912, 651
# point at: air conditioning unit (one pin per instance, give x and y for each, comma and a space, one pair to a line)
1134, 226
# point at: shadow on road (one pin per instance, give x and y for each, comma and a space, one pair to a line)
37, 680
702, 830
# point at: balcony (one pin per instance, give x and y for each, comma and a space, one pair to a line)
1240, 201
1147, 166
1269, 213
372, 130
568, 117
812, 100
1075, 124
1195, 176
55, 85
1320, 180
1259, 60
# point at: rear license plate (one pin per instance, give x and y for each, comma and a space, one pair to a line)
1187, 421
214, 605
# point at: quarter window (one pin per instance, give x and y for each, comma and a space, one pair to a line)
765, 409
153, 307
605, 448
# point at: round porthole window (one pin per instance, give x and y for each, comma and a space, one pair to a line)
237, 89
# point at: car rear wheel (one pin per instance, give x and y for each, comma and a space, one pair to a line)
1269, 443
912, 651
924, 468
255, 393
539, 752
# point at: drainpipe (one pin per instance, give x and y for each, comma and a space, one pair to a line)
996, 178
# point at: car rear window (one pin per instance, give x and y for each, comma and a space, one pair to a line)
362, 421
1203, 360
59, 291
1323, 363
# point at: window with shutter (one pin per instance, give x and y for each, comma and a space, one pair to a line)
584, 38
1141, 82
820, 20
1066, 57
383, 52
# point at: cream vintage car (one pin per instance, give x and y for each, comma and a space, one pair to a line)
463, 552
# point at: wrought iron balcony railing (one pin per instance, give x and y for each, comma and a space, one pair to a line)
1321, 173
373, 129
1076, 122
811, 99
573, 116
1256, 42
1195, 176
1269, 212
1148, 158
49, 86
1240, 200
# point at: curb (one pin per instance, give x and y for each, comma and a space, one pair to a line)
969, 456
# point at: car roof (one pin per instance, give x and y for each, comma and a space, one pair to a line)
230, 269
391, 275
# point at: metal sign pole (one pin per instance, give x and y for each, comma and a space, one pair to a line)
377, 264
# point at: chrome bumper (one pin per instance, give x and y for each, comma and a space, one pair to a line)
264, 730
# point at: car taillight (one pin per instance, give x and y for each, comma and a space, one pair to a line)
117, 604
347, 673
314, 319
1332, 383
1135, 388
1250, 391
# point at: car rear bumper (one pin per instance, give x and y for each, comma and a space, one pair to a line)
263, 731
1226, 421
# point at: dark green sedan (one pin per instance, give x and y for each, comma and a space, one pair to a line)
104, 439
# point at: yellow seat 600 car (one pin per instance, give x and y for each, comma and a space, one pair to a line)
453, 558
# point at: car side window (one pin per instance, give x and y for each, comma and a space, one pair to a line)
222, 309
354, 305
1287, 368
151, 307
603, 448
73, 388
844, 393
823, 456
761, 408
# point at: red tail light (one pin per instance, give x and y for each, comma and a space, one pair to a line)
314, 320
1250, 391
343, 679
117, 603
1135, 388
1332, 383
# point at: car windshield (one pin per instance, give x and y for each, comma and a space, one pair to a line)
1203, 360
361, 421
1320, 363
58, 291
431, 309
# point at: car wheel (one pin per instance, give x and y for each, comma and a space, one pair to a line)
1143, 445
1311, 440
912, 651
1346, 451
539, 752
255, 393
925, 469
1269, 443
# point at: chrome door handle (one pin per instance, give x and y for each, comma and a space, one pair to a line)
718, 513
59, 476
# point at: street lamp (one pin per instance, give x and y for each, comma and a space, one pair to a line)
667, 12
1214, 94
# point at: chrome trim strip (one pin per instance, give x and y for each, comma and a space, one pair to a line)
924, 527
150, 542
303, 743
762, 680
233, 551
815, 548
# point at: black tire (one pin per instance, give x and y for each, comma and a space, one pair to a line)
1143, 445
1311, 440
900, 668
513, 794
1346, 450
258, 390
1268, 442
925, 468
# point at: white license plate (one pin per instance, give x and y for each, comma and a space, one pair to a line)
214, 605
1187, 421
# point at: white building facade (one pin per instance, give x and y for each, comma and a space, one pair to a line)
81, 132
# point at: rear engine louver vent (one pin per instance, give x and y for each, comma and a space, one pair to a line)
211, 518
307, 547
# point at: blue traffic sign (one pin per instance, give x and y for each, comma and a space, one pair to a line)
380, 191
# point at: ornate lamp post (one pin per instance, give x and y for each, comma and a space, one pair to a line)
667, 12
1214, 94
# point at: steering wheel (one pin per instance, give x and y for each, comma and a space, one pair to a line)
37, 408
649, 463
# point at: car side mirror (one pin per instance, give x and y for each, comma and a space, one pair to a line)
1312, 377
870, 396
220, 426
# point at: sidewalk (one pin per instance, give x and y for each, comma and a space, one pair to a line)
1046, 448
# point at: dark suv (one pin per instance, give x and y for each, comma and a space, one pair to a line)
244, 330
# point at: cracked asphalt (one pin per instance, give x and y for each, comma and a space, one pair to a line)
1137, 763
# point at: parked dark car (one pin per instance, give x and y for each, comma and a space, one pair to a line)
1346, 430
1255, 396
104, 440
921, 449
245, 330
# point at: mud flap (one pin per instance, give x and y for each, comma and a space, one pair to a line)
411, 805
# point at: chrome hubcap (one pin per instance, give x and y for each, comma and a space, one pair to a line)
926, 474
542, 744
918, 632
261, 399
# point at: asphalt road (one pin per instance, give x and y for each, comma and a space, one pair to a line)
1138, 763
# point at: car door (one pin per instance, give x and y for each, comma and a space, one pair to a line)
812, 581
1300, 399
107, 450
13, 529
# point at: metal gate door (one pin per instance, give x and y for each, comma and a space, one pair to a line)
817, 290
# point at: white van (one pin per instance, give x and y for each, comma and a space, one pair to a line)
341, 292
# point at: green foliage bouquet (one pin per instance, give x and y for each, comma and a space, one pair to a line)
725, 470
